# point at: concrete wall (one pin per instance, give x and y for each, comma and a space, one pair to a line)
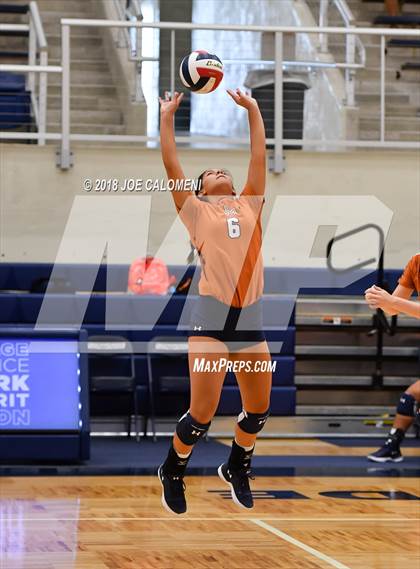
36, 199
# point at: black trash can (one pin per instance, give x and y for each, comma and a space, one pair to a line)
261, 84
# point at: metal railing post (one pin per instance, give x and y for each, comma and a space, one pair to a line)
349, 73
65, 154
382, 110
172, 62
42, 99
31, 55
323, 23
278, 103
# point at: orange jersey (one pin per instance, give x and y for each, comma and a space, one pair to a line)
411, 275
228, 235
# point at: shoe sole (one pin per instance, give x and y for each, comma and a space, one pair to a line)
164, 503
232, 491
385, 459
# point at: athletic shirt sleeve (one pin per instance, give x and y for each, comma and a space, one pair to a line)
255, 202
410, 277
189, 214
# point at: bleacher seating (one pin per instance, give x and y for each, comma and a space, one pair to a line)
411, 66
142, 318
382, 2
403, 42
15, 102
410, 20
14, 8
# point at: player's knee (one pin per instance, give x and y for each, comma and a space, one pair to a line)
190, 430
414, 390
252, 423
406, 405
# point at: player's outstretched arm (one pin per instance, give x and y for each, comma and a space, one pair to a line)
255, 184
168, 108
396, 303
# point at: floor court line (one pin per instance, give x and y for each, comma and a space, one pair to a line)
213, 519
297, 543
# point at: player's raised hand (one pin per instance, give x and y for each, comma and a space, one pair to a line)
242, 99
170, 103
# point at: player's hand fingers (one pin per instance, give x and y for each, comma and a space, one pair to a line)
371, 297
180, 96
233, 95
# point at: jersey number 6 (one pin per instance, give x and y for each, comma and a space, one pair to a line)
234, 229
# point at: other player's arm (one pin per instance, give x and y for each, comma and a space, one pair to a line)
168, 108
396, 303
255, 184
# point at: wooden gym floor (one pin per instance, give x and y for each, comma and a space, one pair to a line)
368, 522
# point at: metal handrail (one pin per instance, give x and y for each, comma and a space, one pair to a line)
85, 22
345, 12
14, 67
37, 43
349, 21
351, 43
39, 30
14, 27
132, 13
66, 136
132, 40
67, 23
379, 321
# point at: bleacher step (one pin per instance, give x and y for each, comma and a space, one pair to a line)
411, 124
90, 128
85, 102
333, 380
372, 411
371, 110
71, 6
89, 90
105, 116
90, 39
82, 77
356, 351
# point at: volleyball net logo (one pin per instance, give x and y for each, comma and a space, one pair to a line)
298, 229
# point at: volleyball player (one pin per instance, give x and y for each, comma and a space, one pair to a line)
226, 320
398, 303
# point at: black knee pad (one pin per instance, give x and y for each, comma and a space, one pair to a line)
189, 430
252, 423
406, 405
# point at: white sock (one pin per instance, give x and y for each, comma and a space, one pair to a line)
182, 455
245, 448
